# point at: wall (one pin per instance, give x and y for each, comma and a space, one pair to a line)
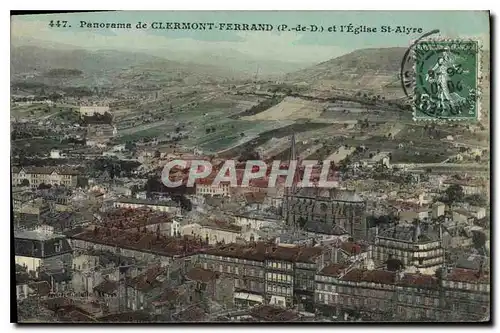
32, 264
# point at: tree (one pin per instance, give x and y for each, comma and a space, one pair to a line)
44, 186
477, 158
476, 200
129, 145
25, 182
478, 239
454, 193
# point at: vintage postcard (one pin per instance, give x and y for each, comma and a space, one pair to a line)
279, 166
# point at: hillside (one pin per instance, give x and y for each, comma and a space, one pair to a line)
366, 68
40, 60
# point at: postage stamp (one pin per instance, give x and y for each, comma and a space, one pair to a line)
446, 80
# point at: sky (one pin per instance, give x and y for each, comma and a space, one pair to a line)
284, 46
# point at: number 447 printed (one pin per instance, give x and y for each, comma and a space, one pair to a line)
58, 24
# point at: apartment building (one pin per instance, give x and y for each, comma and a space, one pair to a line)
159, 206
269, 274
45, 175
388, 295
205, 187
418, 246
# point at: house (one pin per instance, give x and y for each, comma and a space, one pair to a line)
88, 273
161, 206
45, 175
469, 186
256, 219
478, 212
143, 289
58, 279
22, 281
462, 215
38, 251
213, 231
210, 285
90, 111
438, 209
206, 187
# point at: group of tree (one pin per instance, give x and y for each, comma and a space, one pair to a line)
262, 106
115, 167
476, 200
454, 193
98, 118
251, 155
210, 130
363, 123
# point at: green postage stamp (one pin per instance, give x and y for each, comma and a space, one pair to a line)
446, 74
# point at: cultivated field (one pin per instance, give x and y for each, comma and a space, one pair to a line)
291, 108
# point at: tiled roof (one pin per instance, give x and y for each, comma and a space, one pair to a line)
255, 197
147, 241
107, 287
147, 280
375, 276
168, 296
261, 251
148, 202
44, 248
191, 314
202, 275
419, 280
273, 314
333, 270
468, 275
47, 170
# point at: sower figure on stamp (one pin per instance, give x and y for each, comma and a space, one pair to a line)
440, 74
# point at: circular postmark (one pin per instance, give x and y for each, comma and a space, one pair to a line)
407, 72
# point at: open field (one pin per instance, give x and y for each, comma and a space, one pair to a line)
291, 108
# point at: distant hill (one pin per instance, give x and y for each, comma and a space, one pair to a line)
63, 72
40, 60
365, 68
25, 59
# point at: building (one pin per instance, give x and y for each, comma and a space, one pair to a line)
395, 296
214, 232
141, 244
469, 186
160, 206
89, 111
438, 209
39, 251
266, 273
418, 246
98, 134
256, 220
205, 187
45, 175
145, 287
328, 207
